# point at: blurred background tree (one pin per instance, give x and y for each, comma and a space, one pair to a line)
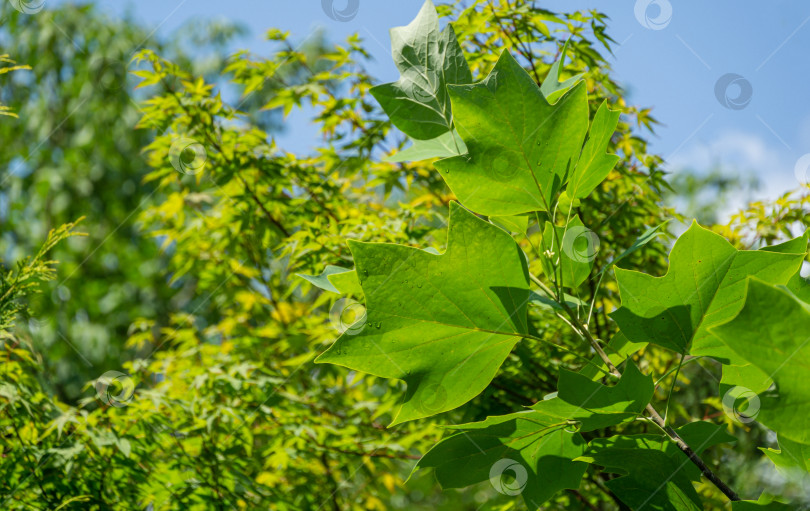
197, 223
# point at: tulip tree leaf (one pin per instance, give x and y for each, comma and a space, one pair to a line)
443, 146
331, 279
428, 59
649, 478
741, 373
540, 443
798, 285
705, 286
700, 435
791, 455
762, 504
443, 323
520, 148
598, 406
516, 224
552, 88
595, 163
535, 448
772, 332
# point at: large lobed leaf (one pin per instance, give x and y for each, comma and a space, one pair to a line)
704, 287
428, 59
442, 323
521, 149
772, 333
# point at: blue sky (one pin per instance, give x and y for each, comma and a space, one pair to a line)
673, 67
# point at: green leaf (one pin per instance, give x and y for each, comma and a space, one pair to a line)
798, 285
741, 373
650, 479
516, 224
579, 248
552, 88
790, 456
544, 302
428, 60
520, 149
443, 146
703, 287
599, 406
443, 323
700, 435
326, 279
772, 332
595, 163
765, 503
537, 449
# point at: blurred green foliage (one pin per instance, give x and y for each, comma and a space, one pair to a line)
198, 221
